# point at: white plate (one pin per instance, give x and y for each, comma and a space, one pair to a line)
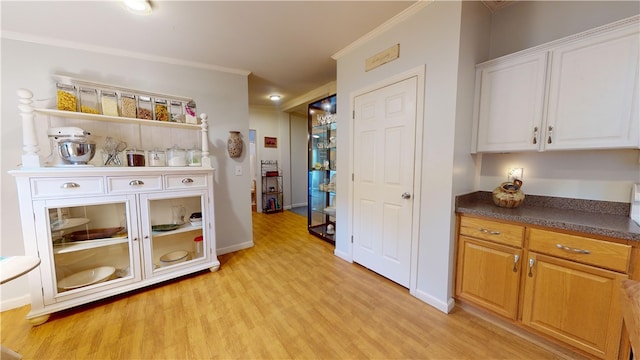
86, 277
68, 223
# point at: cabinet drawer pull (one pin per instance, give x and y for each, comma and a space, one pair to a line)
550, 132
573, 250
187, 180
136, 182
516, 258
70, 185
531, 262
535, 135
490, 232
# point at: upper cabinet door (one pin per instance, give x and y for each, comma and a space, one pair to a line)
510, 102
593, 93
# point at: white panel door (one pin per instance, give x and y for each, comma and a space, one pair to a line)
384, 146
593, 93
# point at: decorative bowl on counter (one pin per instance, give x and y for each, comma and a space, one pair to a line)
76, 153
508, 194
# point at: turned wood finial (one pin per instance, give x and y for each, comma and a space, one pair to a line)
206, 160
30, 147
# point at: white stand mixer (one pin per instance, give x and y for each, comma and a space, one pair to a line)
64, 134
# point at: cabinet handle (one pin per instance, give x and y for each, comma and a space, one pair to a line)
187, 180
136, 182
531, 262
70, 185
135, 239
490, 232
550, 132
535, 135
573, 250
516, 258
146, 237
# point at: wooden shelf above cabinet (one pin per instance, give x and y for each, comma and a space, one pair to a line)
118, 119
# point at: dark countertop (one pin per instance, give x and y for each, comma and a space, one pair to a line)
587, 216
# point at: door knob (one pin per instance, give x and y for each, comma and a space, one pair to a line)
406, 195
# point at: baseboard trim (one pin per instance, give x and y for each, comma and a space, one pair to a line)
343, 255
16, 302
444, 306
230, 249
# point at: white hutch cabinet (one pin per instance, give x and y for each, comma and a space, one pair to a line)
101, 231
579, 92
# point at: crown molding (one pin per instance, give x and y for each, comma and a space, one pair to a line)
384, 27
117, 52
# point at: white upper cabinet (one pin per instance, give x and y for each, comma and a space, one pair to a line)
593, 93
579, 92
511, 103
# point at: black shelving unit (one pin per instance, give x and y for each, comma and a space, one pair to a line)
321, 219
271, 187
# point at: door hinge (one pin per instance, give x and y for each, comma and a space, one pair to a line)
352, 239
352, 176
353, 114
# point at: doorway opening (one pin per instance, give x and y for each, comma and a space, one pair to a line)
253, 166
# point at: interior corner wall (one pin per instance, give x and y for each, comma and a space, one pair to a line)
223, 96
604, 175
430, 37
299, 153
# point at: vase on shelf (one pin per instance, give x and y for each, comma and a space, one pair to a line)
234, 144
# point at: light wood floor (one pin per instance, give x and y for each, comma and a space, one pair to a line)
287, 297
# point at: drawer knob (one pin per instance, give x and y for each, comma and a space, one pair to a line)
573, 250
70, 185
187, 180
516, 258
490, 232
136, 182
531, 262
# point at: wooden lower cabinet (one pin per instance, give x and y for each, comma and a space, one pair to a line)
561, 286
489, 275
575, 303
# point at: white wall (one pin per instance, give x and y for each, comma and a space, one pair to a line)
595, 175
299, 154
431, 37
223, 96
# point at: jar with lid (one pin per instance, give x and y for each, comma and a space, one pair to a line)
176, 156
157, 157
176, 111
135, 157
198, 248
190, 112
145, 108
89, 101
67, 97
194, 157
128, 105
109, 103
160, 109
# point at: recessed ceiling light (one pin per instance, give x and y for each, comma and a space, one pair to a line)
274, 97
138, 7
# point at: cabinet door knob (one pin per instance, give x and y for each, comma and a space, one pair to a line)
406, 195
535, 135
187, 180
531, 262
516, 258
70, 185
136, 182
549, 133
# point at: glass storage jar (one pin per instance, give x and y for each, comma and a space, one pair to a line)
145, 108
190, 112
160, 110
135, 157
89, 101
176, 111
176, 156
194, 157
109, 103
67, 97
157, 158
128, 105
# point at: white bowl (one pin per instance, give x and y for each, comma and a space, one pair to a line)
174, 257
195, 222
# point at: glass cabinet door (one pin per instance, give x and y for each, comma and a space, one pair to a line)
173, 229
322, 169
93, 243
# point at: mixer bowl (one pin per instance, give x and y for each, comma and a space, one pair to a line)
76, 153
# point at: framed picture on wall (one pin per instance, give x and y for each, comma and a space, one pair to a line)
270, 142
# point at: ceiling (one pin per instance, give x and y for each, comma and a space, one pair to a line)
285, 46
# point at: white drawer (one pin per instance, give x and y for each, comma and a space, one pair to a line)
129, 184
49, 187
186, 181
